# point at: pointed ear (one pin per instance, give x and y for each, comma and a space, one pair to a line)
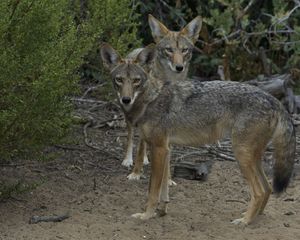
192, 30
146, 56
157, 28
109, 56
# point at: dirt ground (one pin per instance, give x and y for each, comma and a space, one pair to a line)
91, 187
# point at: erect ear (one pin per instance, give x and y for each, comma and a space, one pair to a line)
157, 28
192, 30
109, 56
146, 56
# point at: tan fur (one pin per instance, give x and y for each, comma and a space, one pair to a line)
165, 66
192, 113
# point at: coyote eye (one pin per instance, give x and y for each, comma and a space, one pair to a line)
185, 50
119, 80
136, 81
169, 50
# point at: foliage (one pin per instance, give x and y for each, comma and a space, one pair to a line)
10, 190
115, 22
235, 33
43, 43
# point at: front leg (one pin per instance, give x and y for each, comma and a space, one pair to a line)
128, 157
138, 163
159, 153
164, 195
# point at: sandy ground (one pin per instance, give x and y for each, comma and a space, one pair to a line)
91, 187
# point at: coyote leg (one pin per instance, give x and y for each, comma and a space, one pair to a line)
170, 181
248, 149
266, 186
138, 163
159, 154
128, 158
164, 195
145, 159
249, 157
251, 173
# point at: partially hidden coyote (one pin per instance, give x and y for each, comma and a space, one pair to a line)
193, 113
174, 52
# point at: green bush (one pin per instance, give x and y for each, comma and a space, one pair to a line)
43, 44
115, 22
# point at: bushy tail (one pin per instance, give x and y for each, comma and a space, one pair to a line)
284, 142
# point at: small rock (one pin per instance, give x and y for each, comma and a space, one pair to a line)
289, 200
286, 224
289, 213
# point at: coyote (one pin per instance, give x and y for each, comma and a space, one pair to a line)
192, 113
174, 50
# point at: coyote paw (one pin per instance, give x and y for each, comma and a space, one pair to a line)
127, 162
146, 161
134, 176
143, 216
162, 210
171, 183
240, 221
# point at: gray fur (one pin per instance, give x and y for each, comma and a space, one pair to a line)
192, 113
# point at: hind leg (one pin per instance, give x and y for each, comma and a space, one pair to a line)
257, 195
249, 158
266, 186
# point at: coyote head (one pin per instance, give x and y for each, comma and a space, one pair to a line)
129, 75
174, 49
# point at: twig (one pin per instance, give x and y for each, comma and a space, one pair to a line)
94, 184
87, 100
286, 17
103, 123
70, 147
183, 22
221, 155
235, 200
245, 10
16, 3
264, 59
54, 218
89, 144
91, 89
86, 140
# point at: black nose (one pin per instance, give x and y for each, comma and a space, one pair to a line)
179, 68
126, 100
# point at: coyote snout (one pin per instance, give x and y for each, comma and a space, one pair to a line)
126, 100
176, 60
127, 89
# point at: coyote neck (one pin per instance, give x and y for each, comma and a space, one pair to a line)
138, 109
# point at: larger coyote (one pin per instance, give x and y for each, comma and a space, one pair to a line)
194, 113
174, 50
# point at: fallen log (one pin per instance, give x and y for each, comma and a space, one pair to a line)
276, 85
192, 171
281, 87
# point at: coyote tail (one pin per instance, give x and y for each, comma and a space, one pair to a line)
284, 142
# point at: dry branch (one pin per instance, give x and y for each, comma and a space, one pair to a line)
53, 218
280, 86
87, 100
